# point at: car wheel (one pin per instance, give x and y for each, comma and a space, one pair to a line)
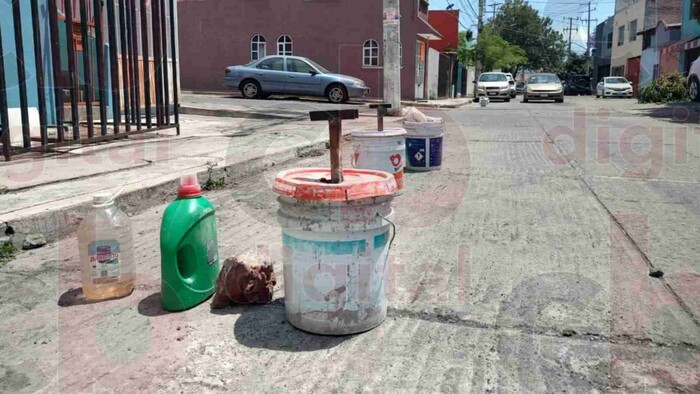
507, 100
561, 100
525, 100
251, 89
337, 94
694, 89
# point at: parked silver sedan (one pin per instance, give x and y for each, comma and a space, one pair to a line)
292, 75
544, 87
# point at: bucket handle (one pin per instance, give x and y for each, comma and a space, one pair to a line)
393, 229
353, 159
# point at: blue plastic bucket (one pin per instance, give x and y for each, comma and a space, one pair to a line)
424, 145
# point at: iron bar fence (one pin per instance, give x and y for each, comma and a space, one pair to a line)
97, 68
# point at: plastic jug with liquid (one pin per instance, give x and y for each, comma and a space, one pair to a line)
106, 244
189, 249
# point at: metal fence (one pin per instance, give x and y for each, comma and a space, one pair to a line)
111, 71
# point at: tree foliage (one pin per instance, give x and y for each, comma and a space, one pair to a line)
465, 51
520, 24
496, 53
576, 64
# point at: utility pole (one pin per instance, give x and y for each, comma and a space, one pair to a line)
570, 29
479, 28
588, 37
392, 61
494, 5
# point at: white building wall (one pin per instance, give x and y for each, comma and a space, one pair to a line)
433, 72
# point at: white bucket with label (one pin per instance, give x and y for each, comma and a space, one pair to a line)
380, 150
336, 240
424, 142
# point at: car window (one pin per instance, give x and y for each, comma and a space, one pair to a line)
543, 79
616, 80
298, 66
274, 64
319, 67
492, 78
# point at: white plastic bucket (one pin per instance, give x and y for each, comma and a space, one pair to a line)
380, 150
424, 142
335, 253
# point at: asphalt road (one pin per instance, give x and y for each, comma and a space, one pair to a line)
522, 266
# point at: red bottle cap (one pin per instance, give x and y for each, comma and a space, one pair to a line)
189, 187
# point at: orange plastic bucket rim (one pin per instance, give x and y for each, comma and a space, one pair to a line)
306, 184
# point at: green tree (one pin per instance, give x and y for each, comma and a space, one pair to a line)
465, 51
496, 53
520, 24
576, 64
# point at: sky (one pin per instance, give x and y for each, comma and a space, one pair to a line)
557, 10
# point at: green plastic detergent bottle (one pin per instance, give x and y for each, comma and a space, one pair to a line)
189, 248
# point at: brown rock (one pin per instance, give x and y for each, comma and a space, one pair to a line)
245, 279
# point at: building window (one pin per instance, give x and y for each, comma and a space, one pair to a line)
633, 30
370, 53
284, 46
610, 40
258, 48
646, 42
620, 35
618, 71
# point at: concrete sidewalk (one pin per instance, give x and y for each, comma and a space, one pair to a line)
49, 193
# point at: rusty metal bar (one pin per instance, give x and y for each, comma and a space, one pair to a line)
56, 67
335, 129
21, 75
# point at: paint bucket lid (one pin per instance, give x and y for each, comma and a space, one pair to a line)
308, 184
393, 132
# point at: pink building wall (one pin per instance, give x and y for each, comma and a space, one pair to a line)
214, 34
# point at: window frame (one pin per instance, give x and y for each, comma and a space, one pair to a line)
285, 43
370, 57
621, 35
257, 51
633, 35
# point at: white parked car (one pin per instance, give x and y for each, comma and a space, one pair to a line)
511, 81
694, 80
614, 87
493, 85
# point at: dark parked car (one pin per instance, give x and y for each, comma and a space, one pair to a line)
292, 75
578, 84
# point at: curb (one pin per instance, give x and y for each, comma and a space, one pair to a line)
228, 113
64, 222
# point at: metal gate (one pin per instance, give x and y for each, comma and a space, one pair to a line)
100, 70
